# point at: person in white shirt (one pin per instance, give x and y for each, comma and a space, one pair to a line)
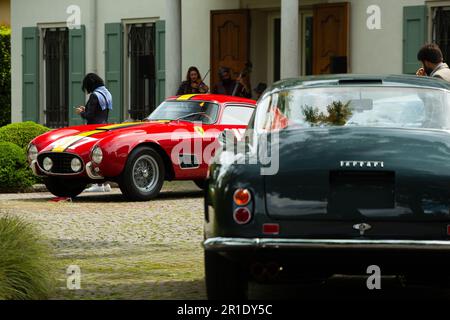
432, 62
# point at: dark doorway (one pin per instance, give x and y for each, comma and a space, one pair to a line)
276, 49
309, 24
56, 64
331, 38
308, 50
441, 31
141, 52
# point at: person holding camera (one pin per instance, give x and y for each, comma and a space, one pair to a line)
99, 103
96, 111
432, 62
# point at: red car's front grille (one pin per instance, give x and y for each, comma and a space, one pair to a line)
61, 162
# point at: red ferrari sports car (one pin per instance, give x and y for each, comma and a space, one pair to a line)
176, 142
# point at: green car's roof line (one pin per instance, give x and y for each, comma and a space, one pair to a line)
360, 79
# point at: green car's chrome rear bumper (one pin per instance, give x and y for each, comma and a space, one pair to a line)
231, 244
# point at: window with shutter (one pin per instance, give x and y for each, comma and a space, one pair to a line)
77, 70
441, 30
414, 36
114, 68
30, 74
56, 67
160, 61
142, 75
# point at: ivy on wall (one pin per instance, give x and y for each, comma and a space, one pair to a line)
5, 75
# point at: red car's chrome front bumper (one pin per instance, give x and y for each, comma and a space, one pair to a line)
35, 168
92, 173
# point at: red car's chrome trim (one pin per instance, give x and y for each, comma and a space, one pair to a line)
34, 167
91, 173
228, 244
181, 158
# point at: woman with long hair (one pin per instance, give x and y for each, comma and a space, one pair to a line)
96, 111
193, 83
99, 103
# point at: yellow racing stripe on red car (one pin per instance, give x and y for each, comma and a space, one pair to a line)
120, 125
90, 133
62, 144
186, 97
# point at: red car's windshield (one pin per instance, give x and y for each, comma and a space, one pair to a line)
195, 111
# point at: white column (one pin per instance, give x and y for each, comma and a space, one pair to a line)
92, 38
173, 46
290, 62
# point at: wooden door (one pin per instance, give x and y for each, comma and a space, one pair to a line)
331, 38
230, 39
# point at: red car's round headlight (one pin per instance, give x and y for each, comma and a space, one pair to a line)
97, 155
32, 152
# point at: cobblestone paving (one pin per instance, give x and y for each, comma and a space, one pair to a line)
148, 250
152, 250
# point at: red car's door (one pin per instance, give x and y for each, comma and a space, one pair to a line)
193, 149
198, 148
235, 117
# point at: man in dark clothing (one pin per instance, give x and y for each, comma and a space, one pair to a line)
228, 86
259, 90
100, 100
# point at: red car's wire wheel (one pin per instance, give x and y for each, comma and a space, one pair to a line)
143, 176
145, 173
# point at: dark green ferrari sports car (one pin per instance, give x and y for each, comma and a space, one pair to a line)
334, 175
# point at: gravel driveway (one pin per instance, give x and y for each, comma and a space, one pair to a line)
139, 250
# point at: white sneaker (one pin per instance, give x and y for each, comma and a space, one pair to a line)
99, 188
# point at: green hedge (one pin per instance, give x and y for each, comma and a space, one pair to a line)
5, 75
26, 264
15, 175
21, 133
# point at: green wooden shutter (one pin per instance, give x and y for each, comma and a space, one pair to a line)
30, 74
77, 69
160, 61
414, 36
114, 68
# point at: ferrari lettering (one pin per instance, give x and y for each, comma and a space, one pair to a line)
362, 164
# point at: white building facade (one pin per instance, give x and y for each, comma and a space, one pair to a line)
143, 48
